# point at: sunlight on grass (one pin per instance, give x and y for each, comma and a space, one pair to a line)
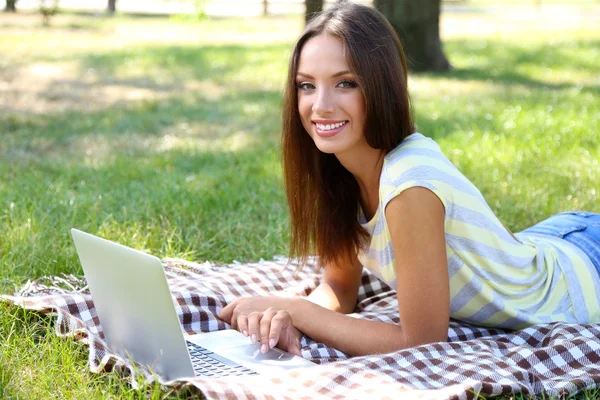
163, 134
178, 112
508, 104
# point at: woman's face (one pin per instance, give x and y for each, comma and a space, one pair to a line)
330, 100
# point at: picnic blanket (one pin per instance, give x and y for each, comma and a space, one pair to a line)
551, 359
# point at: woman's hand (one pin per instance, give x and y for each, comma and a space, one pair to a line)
274, 328
264, 320
236, 313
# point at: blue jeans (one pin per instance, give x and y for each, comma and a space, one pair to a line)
577, 227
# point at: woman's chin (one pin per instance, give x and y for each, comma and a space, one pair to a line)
327, 148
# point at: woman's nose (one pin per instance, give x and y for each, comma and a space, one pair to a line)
324, 103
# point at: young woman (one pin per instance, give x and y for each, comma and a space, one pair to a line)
365, 190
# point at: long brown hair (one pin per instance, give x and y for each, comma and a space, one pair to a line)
324, 197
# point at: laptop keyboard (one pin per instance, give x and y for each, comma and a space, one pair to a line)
206, 363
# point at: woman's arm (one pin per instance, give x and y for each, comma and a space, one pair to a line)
416, 224
338, 290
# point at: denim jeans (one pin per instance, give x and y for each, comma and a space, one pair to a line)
577, 227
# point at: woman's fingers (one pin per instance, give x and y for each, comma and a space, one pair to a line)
277, 329
289, 336
276, 325
269, 328
264, 326
226, 313
294, 348
242, 324
254, 319
230, 311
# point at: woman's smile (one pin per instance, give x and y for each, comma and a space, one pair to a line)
328, 128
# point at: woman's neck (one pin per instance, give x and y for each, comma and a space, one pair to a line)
366, 168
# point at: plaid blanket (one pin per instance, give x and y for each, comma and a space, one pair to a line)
552, 359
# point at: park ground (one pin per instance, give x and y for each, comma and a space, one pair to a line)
162, 133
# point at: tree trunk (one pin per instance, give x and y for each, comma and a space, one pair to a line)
312, 7
10, 6
265, 7
417, 23
112, 6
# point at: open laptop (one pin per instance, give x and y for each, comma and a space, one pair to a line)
138, 317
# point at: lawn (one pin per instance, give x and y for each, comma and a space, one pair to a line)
163, 134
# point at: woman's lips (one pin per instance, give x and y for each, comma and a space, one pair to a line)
329, 132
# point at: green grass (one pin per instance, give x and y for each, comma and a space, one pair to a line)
163, 135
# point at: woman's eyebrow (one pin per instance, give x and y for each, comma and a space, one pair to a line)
345, 72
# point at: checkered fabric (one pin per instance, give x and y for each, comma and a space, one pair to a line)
551, 359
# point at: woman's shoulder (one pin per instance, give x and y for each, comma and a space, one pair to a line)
415, 153
416, 144
417, 161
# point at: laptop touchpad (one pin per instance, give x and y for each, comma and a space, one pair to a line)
253, 350
250, 356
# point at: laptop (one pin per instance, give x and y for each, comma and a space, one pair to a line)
138, 317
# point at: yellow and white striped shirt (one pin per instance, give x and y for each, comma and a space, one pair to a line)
495, 280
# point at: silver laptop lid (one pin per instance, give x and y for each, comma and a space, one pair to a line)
134, 305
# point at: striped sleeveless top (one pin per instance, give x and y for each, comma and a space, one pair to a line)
495, 279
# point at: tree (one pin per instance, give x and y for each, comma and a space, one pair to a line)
48, 8
312, 7
417, 23
10, 6
112, 6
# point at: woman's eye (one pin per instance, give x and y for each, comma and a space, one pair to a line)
347, 84
305, 86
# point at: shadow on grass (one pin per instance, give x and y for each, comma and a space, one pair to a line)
155, 65
172, 169
169, 167
500, 62
202, 205
510, 78
99, 80
174, 66
254, 112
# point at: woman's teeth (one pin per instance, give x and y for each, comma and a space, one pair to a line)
329, 127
